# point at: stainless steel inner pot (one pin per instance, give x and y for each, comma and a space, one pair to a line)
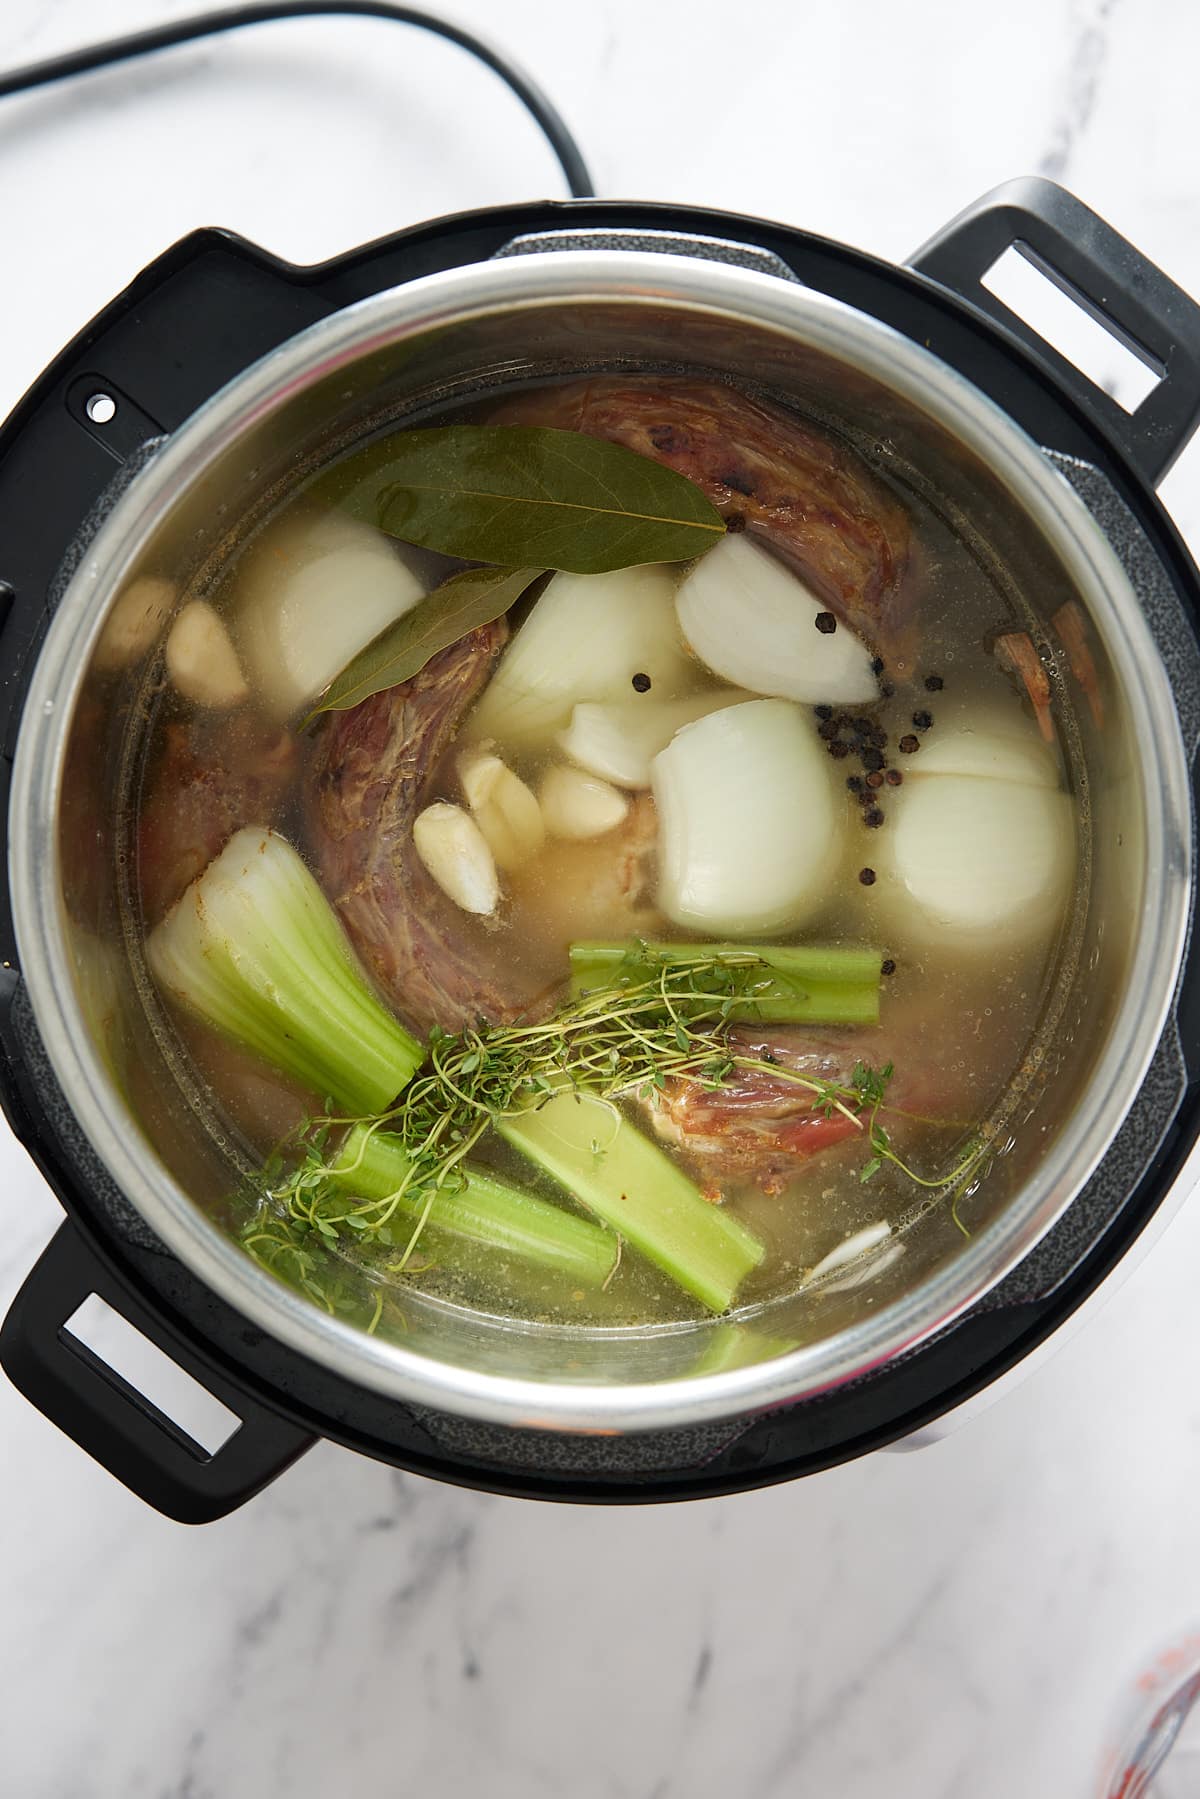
539, 316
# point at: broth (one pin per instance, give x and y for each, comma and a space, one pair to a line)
964, 1025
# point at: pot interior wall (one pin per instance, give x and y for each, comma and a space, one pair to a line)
155, 1090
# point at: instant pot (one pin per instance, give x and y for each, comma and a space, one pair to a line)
193, 399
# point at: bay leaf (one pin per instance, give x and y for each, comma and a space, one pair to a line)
467, 600
521, 495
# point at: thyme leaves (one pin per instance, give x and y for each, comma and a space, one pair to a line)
662, 1019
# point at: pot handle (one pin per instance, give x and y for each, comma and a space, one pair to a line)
1103, 273
118, 1426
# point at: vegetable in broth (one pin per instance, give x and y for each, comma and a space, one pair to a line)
630, 928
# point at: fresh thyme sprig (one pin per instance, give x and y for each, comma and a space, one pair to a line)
662, 1020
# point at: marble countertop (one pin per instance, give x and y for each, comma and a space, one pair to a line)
960, 1622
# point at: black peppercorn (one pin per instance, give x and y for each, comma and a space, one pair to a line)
641, 683
823, 711
827, 728
862, 727
873, 817
887, 966
826, 623
894, 777
872, 759
910, 744
922, 720
838, 750
877, 666
854, 783
867, 876
934, 683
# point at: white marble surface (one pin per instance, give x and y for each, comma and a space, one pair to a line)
960, 1622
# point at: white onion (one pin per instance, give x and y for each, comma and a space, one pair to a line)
750, 829
964, 862
576, 806
454, 851
202, 661
850, 1248
869, 1270
504, 808
996, 746
585, 639
618, 739
312, 594
753, 622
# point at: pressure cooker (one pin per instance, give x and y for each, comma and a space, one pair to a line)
195, 396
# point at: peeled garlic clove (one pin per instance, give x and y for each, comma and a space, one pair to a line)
478, 771
504, 808
132, 627
453, 849
202, 661
578, 806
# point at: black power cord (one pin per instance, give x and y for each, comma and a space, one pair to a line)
183, 31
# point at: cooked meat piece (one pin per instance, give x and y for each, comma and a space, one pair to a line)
1071, 624
809, 497
264, 1104
757, 1124
369, 777
1016, 652
211, 779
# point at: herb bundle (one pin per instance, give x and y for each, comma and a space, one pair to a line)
661, 1018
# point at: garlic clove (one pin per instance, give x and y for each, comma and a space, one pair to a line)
201, 659
504, 808
454, 851
578, 806
478, 771
132, 627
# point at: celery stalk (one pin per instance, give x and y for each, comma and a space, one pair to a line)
585, 1144
255, 950
800, 984
734, 1346
372, 1164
